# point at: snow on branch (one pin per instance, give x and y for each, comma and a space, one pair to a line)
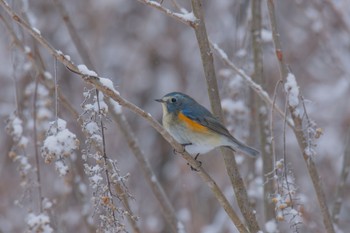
292, 89
186, 18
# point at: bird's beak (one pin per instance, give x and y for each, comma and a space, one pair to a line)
160, 100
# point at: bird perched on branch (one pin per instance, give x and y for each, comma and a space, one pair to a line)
193, 126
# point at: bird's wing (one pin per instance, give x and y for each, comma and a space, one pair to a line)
202, 116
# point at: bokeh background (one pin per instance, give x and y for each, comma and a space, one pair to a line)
148, 54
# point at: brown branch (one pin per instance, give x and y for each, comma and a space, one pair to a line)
98, 84
262, 116
298, 123
213, 92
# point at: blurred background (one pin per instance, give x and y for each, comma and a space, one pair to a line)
148, 54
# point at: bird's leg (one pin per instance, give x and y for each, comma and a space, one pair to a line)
200, 163
183, 151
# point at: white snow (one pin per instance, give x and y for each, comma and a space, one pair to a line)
85, 71
23, 160
220, 51
27, 49
59, 142
91, 128
95, 180
47, 75
39, 223
187, 16
292, 89
271, 226
116, 107
108, 83
266, 35
17, 128
36, 30
61, 167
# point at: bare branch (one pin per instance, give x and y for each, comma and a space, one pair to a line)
261, 113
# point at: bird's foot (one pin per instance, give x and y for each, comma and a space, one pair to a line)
199, 164
183, 150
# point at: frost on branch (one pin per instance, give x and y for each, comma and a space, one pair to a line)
284, 198
59, 143
102, 172
14, 127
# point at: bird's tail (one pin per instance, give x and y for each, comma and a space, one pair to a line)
245, 149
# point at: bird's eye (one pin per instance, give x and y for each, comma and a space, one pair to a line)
173, 100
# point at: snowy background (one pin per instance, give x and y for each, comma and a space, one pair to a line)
148, 54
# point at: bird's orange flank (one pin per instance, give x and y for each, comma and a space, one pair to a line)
193, 125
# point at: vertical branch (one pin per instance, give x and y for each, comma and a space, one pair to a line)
262, 114
298, 123
341, 191
213, 92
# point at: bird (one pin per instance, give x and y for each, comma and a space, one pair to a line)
195, 127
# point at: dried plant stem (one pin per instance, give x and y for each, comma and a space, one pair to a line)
341, 188
298, 123
214, 97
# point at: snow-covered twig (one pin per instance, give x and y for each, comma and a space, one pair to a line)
186, 18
